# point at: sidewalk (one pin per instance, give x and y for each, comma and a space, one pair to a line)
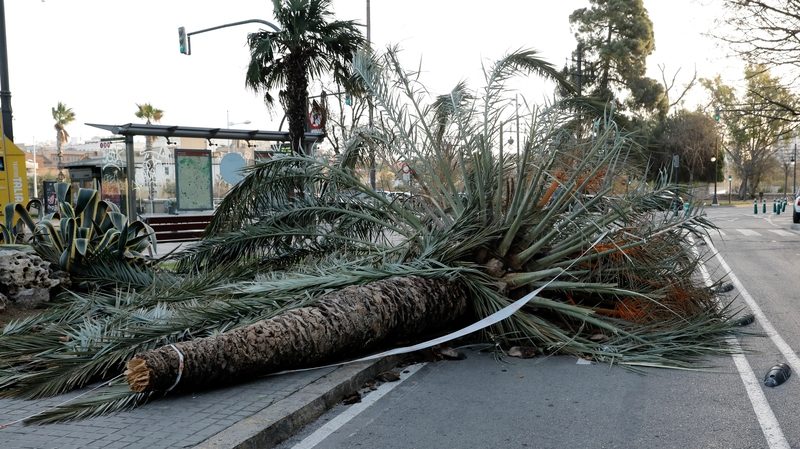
257, 414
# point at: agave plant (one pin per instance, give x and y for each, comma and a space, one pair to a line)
304, 264
90, 238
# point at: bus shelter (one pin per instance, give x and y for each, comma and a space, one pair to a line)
128, 131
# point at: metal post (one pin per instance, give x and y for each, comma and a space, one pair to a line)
714, 201
794, 170
516, 102
35, 181
130, 173
5, 90
369, 99
729, 189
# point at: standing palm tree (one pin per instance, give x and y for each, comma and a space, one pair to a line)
150, 114
63, 117
308, 45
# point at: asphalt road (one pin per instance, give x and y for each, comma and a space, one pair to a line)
556, 402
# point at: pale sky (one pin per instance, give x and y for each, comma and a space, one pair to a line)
102, 57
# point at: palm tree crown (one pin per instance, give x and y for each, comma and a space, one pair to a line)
149, 113
309, 45
63, 117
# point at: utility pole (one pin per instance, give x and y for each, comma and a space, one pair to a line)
5, 90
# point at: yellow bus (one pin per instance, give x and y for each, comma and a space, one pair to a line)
13, 173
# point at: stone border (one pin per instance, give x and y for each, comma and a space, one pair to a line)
282, 419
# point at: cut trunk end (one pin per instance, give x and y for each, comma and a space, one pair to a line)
138, 375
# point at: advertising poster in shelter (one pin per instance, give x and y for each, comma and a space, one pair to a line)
193, 179
50, 200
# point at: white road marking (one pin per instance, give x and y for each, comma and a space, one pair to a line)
769, 329
782, 233
766, 417
749, 232
343, 418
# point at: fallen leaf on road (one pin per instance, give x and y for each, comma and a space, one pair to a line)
450, 354
388, 376
352, 399
522, 352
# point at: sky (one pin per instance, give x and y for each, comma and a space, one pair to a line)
103, 57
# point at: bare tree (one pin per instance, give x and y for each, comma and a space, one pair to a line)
670, 85
764, 31
753, 125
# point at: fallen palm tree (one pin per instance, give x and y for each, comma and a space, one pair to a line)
336, 270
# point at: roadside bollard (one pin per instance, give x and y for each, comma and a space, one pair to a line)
779, 208
764, 206
774, 207
755, 207
686, 209
783, 203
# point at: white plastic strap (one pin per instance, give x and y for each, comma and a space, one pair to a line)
180, 368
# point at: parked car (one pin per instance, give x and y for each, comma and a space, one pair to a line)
796, 211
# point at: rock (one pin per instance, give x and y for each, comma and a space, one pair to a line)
24, 274
3, 302
31, 298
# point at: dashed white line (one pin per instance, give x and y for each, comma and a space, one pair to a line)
764, 414
343, 418
769, 329
782, 233
749, 232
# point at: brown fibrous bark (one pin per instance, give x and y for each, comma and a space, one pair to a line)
343, 323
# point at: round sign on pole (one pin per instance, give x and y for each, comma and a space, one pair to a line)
406, 169
230, 167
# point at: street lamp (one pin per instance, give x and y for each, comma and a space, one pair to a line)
730, 178
714, 201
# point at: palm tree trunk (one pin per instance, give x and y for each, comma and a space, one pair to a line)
343, 323
296, 99
60, 153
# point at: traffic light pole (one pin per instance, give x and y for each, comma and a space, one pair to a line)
5, 90
227, 25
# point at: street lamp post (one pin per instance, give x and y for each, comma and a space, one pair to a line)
714, 201
5, 90
730, 178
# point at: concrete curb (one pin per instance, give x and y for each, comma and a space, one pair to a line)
282, 419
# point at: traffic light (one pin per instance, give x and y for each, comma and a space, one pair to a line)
716, 114
183, 40
348, 100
